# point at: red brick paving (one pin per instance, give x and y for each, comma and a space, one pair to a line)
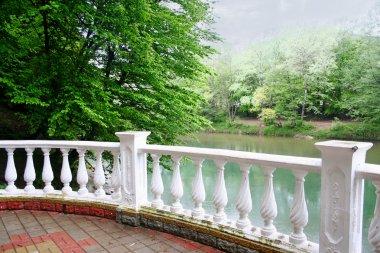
53, 232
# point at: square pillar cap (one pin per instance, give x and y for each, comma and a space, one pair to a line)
133, 133
343, 145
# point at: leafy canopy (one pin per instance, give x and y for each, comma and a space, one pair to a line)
85, 69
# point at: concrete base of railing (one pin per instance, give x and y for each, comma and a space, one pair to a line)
223, 238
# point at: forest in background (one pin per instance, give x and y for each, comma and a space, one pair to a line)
315, 73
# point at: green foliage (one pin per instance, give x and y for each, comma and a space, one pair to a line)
351, 131
289, 129
315, 73
268, 116
234, 128
85, 69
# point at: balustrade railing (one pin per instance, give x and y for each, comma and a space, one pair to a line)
342, 167
66, 176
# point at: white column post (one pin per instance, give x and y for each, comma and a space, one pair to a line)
30, 172
176, 187
268, 208
99, 177
157, 186
82, 175
299, 215
198, 191
133, 168
115, 178
244, 199
341, 196
47, 171
374, 228
11, 172
66, 175
220, 193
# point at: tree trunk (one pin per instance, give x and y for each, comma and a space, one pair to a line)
304, 96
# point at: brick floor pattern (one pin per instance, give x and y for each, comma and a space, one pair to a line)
24, 231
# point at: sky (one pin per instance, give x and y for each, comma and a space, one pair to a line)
241, 22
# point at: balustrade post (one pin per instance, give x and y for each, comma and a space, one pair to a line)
244, 199
30, 172
157, 186
99, 177
176, 187
299, 215
220, 193
374, 228
82, 175
341, 196
198, 191
66, 175
268, 208
10, 172
47, 171
133, 168
115, 178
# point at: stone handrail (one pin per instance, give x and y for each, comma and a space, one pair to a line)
342, 167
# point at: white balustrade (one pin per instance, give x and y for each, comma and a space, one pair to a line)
10, 172
176, 187
29, 173
82, 175
268, 208
99, 177
374, 228
299, 215
220, 193
198, 190
47, 171
342, 166
157, 186
116, 176
244, 199
66, 175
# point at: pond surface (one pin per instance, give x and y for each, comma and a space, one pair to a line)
283, 180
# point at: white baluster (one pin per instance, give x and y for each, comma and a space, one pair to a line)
299, 214
198, 193
220, 193
176, 188
244, 199
268, 209
47, 172
10, 172
29, 173
374, 228
99, 178
82, 176
66, 176
157, 187
116, 176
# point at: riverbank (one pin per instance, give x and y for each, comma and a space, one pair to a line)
307, 129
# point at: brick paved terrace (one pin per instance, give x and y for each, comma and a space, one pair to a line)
53, 232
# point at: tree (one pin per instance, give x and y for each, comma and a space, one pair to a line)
85, 69
311, 56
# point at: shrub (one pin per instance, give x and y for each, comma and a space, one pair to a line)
268, 116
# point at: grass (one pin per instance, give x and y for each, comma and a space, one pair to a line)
234, 128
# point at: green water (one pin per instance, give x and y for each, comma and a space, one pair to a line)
283, 180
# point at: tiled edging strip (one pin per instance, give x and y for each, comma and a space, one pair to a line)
58, 205
202, 233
